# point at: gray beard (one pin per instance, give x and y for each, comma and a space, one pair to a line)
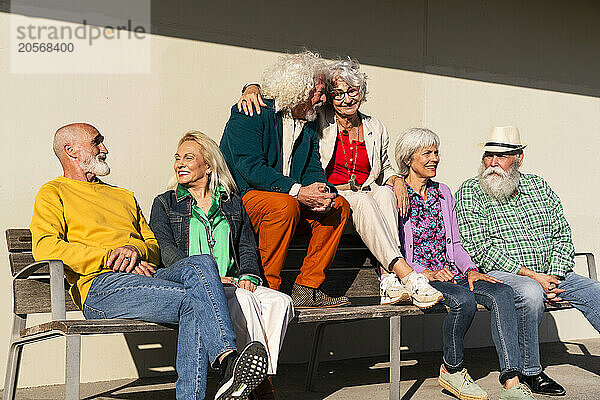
95, 165
311, 115
497, 183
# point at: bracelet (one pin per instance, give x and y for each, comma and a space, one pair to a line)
249, 84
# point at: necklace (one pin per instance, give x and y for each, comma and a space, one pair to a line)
351, 173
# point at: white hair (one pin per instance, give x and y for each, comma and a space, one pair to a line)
409, 142
220, 174
96, 165
349, 71
497, 183
290, 80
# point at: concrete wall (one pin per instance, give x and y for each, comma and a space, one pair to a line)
192, 85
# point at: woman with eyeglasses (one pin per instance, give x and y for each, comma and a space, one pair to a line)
354, 155
204, 214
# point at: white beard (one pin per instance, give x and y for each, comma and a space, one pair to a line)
497, 183
311, 115
95, 165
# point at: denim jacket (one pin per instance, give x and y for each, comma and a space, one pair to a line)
170, 222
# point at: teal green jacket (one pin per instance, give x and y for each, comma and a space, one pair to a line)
252, 147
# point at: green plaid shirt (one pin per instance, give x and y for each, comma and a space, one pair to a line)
527, 230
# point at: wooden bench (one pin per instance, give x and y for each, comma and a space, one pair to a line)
39, 287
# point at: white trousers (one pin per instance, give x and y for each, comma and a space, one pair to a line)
375, 218
262, 316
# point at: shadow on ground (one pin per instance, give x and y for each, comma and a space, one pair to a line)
575, 364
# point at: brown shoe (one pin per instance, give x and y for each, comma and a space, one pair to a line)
264, 391
307, 297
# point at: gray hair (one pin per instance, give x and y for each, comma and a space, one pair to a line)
411, 141
349, 71
290, 80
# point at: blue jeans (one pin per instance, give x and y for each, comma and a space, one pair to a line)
188, 293
530, 298
496, 297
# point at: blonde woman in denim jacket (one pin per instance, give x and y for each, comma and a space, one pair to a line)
204, 214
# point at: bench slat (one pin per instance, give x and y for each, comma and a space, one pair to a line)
348, 258
350, 240
384, 311
361, 312
19, 261
18, 240
32, 296
94, 326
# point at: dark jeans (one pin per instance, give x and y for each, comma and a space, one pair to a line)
499, 300
188, 293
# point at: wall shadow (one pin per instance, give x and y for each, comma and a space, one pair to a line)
544, 44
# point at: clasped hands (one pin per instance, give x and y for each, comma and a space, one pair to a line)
550, 285
316, 197
127, 259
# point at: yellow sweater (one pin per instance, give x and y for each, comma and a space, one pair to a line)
81, 223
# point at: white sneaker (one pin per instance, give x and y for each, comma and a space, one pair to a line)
422, 293
391, 290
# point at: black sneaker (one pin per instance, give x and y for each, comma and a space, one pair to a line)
242, 374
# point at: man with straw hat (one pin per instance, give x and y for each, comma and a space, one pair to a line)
513, 226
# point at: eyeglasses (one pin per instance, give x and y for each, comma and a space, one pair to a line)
339, 95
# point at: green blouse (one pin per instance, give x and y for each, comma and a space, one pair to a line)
209, 234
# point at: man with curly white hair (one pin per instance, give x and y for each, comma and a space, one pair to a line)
275, 161
354, 155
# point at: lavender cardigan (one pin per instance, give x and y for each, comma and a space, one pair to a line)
458, 257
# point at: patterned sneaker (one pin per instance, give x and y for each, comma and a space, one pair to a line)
422, 293
391, 290
242, 374
461, 385
307, 297
519, 392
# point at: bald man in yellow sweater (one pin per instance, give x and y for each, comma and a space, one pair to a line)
110, 257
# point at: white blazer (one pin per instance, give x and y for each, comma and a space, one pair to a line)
376, 142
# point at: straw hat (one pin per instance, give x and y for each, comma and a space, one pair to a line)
503, 139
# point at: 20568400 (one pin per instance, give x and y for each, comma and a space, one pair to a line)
46, 47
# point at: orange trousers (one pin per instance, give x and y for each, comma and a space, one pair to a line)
275, 217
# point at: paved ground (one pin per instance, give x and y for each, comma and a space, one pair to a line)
576, 365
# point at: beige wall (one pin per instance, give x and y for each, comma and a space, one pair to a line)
561, 130
563, 139
192, 86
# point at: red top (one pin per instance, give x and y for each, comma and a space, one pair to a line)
336, 171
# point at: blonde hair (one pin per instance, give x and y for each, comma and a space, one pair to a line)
290, 80
411, 141
213, 157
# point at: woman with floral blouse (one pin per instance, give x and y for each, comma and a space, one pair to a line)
431, 245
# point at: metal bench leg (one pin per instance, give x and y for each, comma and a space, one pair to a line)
395, 357
73, 358
313, 362
12, 371
14, 359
